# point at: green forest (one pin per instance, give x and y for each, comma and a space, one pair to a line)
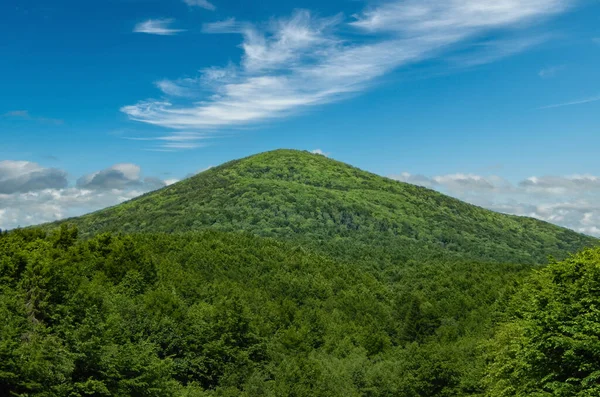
290, 274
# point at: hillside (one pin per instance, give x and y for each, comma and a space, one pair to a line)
314, 200
230, 314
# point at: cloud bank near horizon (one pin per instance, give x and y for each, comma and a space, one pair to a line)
32, 194
568, 201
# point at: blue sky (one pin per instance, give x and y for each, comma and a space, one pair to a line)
494, 102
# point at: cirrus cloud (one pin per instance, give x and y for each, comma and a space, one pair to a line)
157, 26
200, 3
296, 63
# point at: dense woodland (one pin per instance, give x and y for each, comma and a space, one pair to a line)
325, 204
330, 282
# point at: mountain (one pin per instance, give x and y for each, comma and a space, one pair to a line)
350, 213
281, 274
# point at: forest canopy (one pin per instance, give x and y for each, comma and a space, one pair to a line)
550, 346
225, 314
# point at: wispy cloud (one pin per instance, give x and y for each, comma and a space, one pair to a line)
572, 103
551, 71
157, 26
596, 40
201, 3
460, 16
25, 115
179, 88
18, 113
303, 61
484, 52
175, 142
229, 25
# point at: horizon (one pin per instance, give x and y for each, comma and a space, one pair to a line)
488, 102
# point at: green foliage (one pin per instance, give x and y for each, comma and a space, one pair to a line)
228, 314
371, 288
551, 344
339, 209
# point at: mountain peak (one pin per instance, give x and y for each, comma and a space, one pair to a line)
300, 196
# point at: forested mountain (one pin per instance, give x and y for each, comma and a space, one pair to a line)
317, 201
291, 274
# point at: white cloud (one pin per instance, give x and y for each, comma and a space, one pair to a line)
25, 115
551, 71
177, 141
461, 182
489, 51
571, 103
229, 25
191, 174
18, 113
319, 151
119, 176
43, 195
418, 179
157, 26
200, 3
569, 201
303, 61
174, 89
463, 16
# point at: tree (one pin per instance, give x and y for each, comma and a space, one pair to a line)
551, 344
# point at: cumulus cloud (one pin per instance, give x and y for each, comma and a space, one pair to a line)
460, 182
569, 201
319, 151
157, 26
24, 176
417, 179
296, 63
31, 194
20, 210
562, 185
120, 177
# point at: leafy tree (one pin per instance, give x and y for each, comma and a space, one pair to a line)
551, 344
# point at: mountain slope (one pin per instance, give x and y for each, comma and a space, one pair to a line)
314, 200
